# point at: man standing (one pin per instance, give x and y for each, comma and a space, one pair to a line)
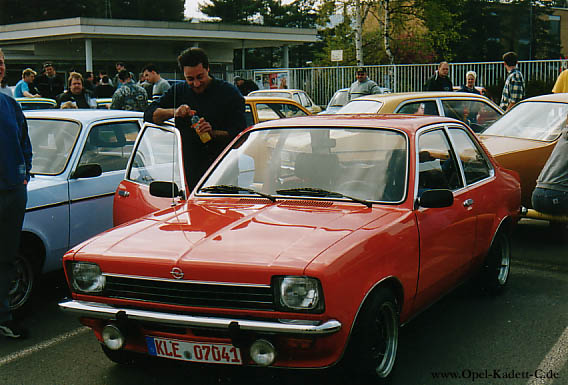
15, 166
440, 80
514, 89
219, 105
246, 86
561, 84
152, 75
49, 83
76, 93
129, 96
363, 85
25, 87
119, 67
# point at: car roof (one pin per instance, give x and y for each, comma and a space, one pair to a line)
288, 90
272, 99
402, 96
408, 123
83, 115
560, 97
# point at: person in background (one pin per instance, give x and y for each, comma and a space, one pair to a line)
76, 93
130, 96
4, 89
160, 85
15, 167
514, 88
219, 105
440, 81
245, 86
90, 81
119, 67
104, 89
469, 85
143, 82
561, 84
49, 83
25, 87
363, 85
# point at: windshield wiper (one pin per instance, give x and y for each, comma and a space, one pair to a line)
232, 189
318, 192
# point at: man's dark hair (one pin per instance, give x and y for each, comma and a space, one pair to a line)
511, 59
192, 57
150, 67
123, 75
120, 63
105, 80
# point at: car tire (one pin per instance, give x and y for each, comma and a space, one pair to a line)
497, 266
122, 357
23, 284
371, 354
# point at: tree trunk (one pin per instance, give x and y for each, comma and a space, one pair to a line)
358, 33
386, 34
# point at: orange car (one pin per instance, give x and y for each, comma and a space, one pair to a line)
524, 137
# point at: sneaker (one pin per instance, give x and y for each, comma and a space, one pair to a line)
11, 330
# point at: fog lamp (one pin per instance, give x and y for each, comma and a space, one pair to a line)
113, 338
262, 352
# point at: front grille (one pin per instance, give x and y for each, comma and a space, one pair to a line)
190, 293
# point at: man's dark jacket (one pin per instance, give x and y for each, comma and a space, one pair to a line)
439, 83
49, 87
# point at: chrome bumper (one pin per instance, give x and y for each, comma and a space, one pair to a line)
102, 311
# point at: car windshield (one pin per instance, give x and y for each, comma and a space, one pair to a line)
361, 107
531, 120
52, 143
273, 94
366, 164
339, 99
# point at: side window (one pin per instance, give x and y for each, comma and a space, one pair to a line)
248, 115
270, 111
437, 167
424, 107
109, 145
156, 158
296, 97
477, 114
475, 166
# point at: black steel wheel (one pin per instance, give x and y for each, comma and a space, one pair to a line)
23, 283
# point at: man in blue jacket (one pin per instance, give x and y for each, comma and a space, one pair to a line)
15, 166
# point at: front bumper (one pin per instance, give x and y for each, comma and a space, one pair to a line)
102, 311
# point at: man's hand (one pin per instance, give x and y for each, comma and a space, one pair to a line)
183, 111
203, 126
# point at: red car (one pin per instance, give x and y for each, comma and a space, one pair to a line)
307, 243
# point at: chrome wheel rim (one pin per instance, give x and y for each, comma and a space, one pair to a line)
386, 343
504, 262
22, 284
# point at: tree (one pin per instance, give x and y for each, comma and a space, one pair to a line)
233, 12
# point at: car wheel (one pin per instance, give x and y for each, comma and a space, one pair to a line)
122, 357
373, 346
23, 283
497, 266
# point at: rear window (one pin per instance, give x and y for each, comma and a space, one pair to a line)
361, 107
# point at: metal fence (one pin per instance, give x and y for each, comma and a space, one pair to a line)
321, 82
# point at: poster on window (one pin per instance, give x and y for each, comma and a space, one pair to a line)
267, 80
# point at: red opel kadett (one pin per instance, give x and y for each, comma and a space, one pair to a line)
306, 244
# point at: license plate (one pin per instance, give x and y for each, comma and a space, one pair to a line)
194, 351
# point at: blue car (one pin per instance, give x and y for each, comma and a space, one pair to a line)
79, 158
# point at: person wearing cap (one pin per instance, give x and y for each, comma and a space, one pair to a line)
25, 87
246, 86
363, 85
49, 83
440, 81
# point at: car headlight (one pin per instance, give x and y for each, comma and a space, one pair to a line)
296, 293
86, 277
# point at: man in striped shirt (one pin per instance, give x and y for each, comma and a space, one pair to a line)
514, 89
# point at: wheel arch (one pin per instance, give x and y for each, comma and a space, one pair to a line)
30, 241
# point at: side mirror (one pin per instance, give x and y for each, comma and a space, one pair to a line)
87, 171
164, 189
436, 198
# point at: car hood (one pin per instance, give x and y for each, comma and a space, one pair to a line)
499, 145
282, 236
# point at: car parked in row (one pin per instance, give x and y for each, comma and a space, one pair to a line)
306, 244
475, 110
79, 158
341, 98
525, 136
300, 96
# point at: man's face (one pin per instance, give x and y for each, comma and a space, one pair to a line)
150, 76
29, 78
119, 67
444, 69
361, 76
50, 71
197, 77
240, 82
2, 68
76, 86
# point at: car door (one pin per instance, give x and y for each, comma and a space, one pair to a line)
447, 234
109, 145
156, 157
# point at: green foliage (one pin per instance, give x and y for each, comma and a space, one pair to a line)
233, 12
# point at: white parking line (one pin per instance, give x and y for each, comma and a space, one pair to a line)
553, 363
44, 345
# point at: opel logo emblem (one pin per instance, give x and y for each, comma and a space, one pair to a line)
177, 273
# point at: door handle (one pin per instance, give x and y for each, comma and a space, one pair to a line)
468, 203
123, 193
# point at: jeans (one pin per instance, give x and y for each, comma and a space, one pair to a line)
550, 201
12, 210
